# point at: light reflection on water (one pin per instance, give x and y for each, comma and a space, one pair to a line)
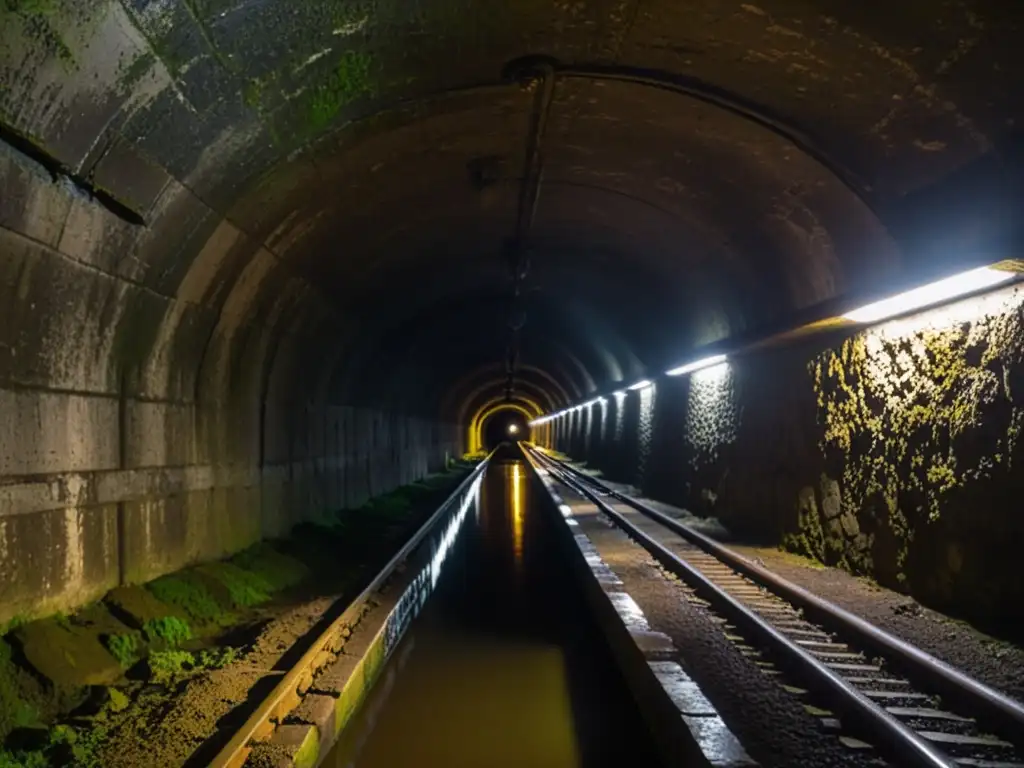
464, 700
501, 668
517, 515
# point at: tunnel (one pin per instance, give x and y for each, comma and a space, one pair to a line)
262, 261
504, 425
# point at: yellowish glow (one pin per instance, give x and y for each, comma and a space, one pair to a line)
517, 514
513, 429
475, 438
696, 365
933, 293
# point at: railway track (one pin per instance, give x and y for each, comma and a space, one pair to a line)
882, 693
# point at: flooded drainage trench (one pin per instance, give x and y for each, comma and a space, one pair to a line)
503, 666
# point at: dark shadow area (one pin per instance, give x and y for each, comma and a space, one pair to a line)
505, 425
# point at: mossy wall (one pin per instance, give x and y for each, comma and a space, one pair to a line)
894, 453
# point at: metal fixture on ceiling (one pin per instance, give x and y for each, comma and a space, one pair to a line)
539, 76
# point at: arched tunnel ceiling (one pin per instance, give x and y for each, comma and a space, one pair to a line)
329, 188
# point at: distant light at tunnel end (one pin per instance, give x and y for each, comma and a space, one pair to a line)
932, 293
696, 365
642, 384
513, 429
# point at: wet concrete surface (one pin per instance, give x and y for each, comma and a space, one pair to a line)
504, 667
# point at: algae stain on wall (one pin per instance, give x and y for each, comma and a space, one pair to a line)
920, 419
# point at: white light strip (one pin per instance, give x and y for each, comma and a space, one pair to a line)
933, 293
706, 362
642, 384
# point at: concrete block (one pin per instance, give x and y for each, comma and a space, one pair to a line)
45, 433
156, 537
719, 745
30, 202
160, 434
318, 710
331, 682
300, 743
67, 656
55, 560
653, 645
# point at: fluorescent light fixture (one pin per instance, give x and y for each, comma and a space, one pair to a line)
696, 365
619, 394
642, 384
933, 293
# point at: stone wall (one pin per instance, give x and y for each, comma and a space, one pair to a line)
894, 452
156, 411
68, 534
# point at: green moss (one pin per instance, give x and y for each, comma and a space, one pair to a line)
252, 93
134, 72
309, 752
349, 80
119, 701
16, 711
41, 20
167, 666
66, 745
23, 759
169, 629
124, 648
393, 506
187, 592
245, 588
13, 623
278, 571
78, 744
217, 658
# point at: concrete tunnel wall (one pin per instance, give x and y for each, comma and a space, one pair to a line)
894, 452
255, 257
151, 424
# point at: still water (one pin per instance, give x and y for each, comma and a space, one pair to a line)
504, 666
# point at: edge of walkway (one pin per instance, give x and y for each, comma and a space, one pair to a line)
685, 726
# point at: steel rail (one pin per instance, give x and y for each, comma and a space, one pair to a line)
285, 695
1004, 714
894, 739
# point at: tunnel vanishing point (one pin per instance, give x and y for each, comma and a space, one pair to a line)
259, 260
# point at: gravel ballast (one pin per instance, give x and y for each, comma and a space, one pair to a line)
771, 722
993, 661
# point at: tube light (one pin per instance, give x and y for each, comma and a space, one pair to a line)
696, 365
933, 293
642, 384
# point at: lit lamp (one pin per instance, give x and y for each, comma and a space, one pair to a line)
697, 365
513, 429
933, 293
